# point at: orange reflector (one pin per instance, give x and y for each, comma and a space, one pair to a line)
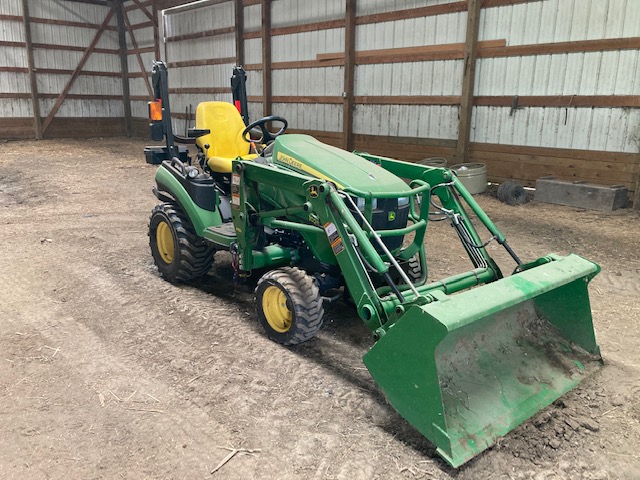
155, 110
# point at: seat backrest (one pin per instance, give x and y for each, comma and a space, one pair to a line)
226, 127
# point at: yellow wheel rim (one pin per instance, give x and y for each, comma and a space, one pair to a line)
274, 306
164, 239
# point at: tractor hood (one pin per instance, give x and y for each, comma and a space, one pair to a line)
308, 156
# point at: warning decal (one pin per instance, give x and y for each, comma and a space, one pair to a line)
334, 238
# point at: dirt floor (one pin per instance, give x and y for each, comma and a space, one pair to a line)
107, 371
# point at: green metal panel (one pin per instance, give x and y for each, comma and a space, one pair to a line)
307, 155
468, 368
200, 218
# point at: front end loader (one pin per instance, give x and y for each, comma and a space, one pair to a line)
464, 359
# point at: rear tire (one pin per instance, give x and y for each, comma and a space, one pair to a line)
177, 251
289, 305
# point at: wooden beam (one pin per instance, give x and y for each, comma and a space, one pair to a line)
196, 90
143, 9
55, 21
206, 33
239, 13
566, 101
137, 52
32, 72
83, 60
468, 77
74, 48
408, 100
266, 57
580, 46
124, 68
147, 3
201, 62
349, 74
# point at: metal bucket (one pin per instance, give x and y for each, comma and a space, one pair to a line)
467, 368
472, 175
439, 162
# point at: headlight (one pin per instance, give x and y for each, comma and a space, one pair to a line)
402, 201
360, 203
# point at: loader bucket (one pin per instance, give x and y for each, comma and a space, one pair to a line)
466, 369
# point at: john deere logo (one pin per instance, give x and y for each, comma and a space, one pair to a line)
391, 216
313, 191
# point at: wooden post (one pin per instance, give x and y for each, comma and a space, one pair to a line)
349, 74
76, 72
145, 77
466, 101
124, 66
266, 58
239, 32
37, 121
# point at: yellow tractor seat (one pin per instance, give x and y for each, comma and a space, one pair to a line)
225, 140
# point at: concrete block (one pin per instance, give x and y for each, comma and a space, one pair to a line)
581, 194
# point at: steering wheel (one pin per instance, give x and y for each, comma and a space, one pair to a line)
267, 137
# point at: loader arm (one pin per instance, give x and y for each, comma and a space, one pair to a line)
464, 359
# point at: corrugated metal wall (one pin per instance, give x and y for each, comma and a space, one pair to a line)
141, 36
13, 82
217, 50
60, 31
590, 73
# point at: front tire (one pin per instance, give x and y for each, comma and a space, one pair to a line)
289, 305
177, 251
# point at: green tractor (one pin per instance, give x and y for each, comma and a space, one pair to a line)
464, 359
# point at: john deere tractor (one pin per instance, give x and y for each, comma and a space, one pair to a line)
464, 359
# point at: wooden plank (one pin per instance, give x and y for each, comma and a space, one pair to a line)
409, 52
186, 90
5, 43
201, 62
308, 27
335, 100
140, 26
55, 21
248, 3
91, 73
250, 35
81, 63
408, 100
206, 33
603, 45
349, 74
296, 64
524, 158
15, 95
35, 103
468, 78
266, 57
124, 69
137, 52
81, 96
74, 48
239, 30
14, 69
14, 128
86, 127
531, 172
429, 11
407, 141
594, 155
147, 3
608, 101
